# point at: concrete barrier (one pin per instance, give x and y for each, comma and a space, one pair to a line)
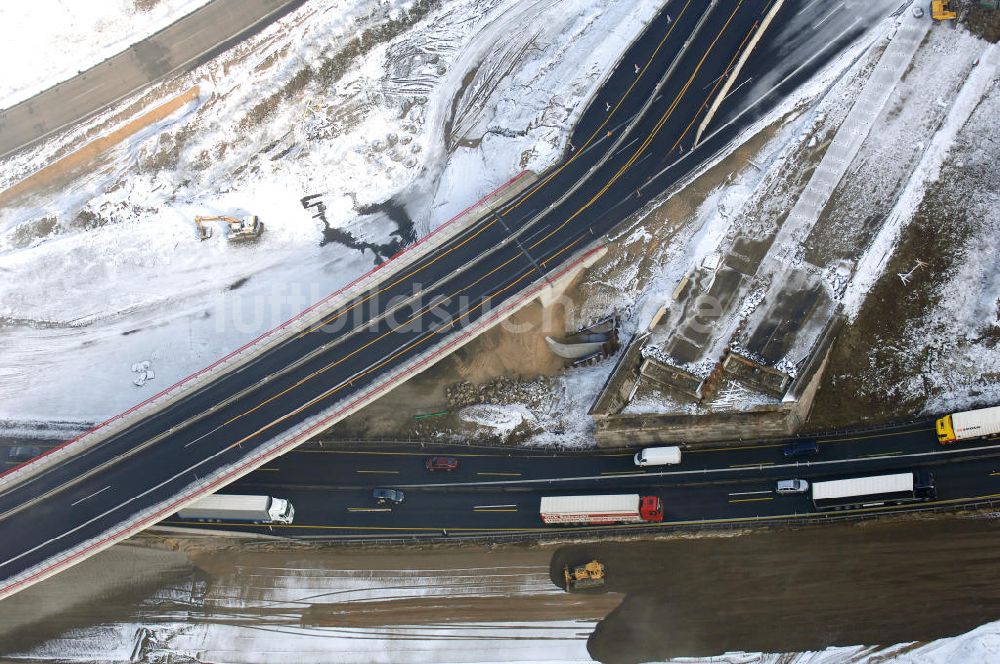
269, 339
301, 432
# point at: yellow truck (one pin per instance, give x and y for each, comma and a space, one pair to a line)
968, 425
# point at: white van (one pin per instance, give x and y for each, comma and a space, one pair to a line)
658, 456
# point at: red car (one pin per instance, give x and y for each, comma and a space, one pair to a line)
441, 463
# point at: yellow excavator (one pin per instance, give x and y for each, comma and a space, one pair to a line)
941, 10
247, 228
588, 575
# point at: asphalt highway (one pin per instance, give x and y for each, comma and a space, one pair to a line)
639, 122
182, 46
496, 492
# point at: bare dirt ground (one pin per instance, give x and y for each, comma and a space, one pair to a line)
507, 366
103, 588
779, 590
981, 21
88, 157
881, 364
499, 352
463, 610
796, 590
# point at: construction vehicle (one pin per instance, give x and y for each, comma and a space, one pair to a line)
247, 228
941, 10
580, 577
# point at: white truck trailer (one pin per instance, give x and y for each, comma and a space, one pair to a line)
594, 510
968, 425
874, 491
246, 509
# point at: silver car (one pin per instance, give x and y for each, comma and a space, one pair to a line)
791, 486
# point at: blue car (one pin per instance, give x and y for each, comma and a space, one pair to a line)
801, 448
384, 496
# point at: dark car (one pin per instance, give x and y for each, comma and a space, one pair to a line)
441, 463
388, 496
801, 448
22, 453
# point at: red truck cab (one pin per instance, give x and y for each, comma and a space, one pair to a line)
650, 508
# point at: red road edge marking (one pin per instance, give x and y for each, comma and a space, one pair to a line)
271, 331
171, 508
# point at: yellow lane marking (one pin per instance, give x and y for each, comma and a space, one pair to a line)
715, 87
372, 528
752, 465
372, 369
421, 340
674, 524
344, 358
600, 131
564, 249
536, 188
622, 472
750, 500
878, 435
417, 269
379, 472
501, 474
880, 454
649, 138
995, 473
820, 440
427, 454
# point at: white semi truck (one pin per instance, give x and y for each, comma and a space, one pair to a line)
595, 510
245, 509
968, 424
874, 491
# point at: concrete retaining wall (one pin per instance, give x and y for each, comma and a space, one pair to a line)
733, 427
729, 427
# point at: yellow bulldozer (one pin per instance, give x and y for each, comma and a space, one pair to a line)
941, 10
580, 577
247, 228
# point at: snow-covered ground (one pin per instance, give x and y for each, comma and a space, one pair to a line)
943, 91
54, 40
181, 622
354, 103
302, 609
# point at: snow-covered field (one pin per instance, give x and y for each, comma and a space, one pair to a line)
354, 104
312, 607
54, 40
844, 241
107, 285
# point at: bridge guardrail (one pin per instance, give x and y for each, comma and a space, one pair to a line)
275, 447
262, 343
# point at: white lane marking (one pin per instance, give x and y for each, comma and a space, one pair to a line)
748, 493
90, 496
808, 6
827, 17
486, 507
702, 472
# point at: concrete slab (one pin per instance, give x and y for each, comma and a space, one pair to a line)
772, 338
671, 377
